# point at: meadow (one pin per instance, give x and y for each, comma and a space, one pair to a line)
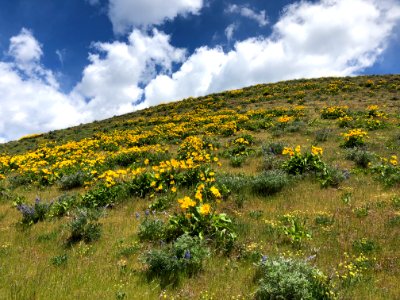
287, 190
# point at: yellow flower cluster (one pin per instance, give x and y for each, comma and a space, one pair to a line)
205, 209
354, 133
186, 202
110, 176
289, 151
372, 108
316, 150
215, 192
393, 160
285, 119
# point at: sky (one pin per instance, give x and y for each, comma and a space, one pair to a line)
67, 62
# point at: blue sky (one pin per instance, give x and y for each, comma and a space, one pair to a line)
67, 62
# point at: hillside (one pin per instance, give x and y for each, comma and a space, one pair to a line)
287, 189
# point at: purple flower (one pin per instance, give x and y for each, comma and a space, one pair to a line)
147, 212
187, 255
137, 215
264, 258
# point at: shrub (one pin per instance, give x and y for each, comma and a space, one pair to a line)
35, 213
84, 226
275, 148
334, 112
294, 228
237, 161
151, 229
287, 278
63, 205
324, 219
236, 183
296, 126
270, 162
322, 135
331, 176
361, 157
354, 138
124, 159
364, 245
388, 171
74, 180
163, 202
299, 163
4, 192
201, 221
269, 182
103, 196
184, 258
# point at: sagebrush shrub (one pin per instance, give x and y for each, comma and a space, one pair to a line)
287, 278
361, 157
74, 180
269, 182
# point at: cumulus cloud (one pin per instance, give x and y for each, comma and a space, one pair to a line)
247, 12
31, 100
111, 83
330, 37
125, 14
24, 48
311, 39
30, 105
194, 77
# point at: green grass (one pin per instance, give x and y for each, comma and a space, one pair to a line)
360, 208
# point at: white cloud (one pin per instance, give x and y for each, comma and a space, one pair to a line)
113, 83
331, 37
24, 48
31, 100
125, 14
247, 12
30, 105
194, 77
61, 55
229, 30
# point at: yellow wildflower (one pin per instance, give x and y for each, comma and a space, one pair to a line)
316, 150
205, 209
284, 119
215, 192
288, 150
186, 202
393, 160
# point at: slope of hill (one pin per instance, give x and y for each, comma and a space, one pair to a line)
288, 189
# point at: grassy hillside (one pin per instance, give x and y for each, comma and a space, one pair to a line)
288, 189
